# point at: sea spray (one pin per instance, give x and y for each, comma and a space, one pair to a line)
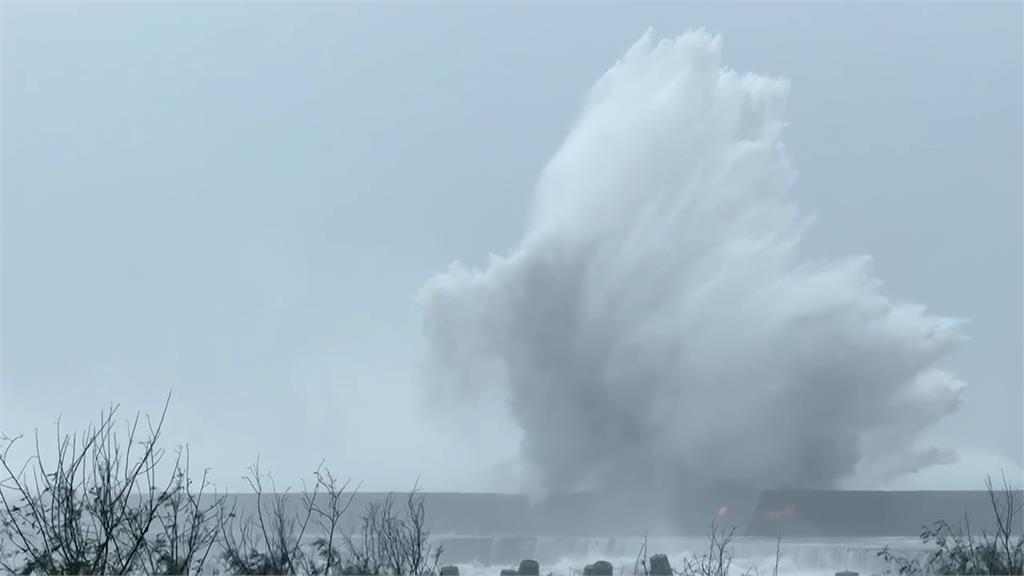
657, 328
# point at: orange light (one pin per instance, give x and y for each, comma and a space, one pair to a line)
787, 512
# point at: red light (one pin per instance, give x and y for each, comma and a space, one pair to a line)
787, 512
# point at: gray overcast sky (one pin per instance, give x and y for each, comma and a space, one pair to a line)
240, 203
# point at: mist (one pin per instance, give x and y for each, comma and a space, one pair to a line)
657, 327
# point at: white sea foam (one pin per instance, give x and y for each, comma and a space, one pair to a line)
657, 316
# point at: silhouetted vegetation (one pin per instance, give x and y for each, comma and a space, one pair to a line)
959, 550
104, 506
112, 504
393, 543
117, 504
717, 561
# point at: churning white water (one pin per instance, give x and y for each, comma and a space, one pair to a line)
568, 556
657, 315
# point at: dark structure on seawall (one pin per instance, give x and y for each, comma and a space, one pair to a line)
791, 513
842, 513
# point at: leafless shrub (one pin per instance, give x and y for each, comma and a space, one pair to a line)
268, 541
365, 555
188, 527
718, 559
640, 565
778, 555
325, 558
393, 544
100, 508
420, 556
958, 550
108, 506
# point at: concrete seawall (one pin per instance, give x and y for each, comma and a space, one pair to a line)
793, 513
